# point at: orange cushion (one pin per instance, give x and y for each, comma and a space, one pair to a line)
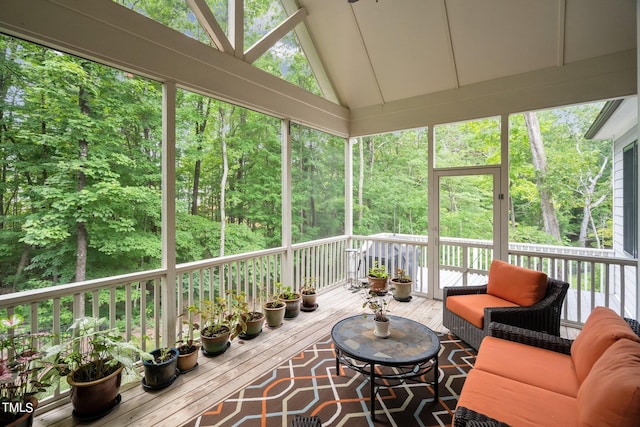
471, 307
516, 403
610, 395
531, 365
516, 284
602, 328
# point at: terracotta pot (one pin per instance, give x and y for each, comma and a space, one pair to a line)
309, 300
188, 361
159, 375
95, 399
218, 344
377, 284
24, 416
274, 315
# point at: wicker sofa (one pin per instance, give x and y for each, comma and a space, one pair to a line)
528, 378
513, 295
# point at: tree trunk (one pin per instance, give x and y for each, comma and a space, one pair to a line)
81, 228
196, 187
201, 127
223, 181
549, 218
588, 193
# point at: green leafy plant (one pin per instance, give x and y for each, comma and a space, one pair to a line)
286, 292
378, 303
378, 271
22, 368
223, 315
91, 350
308, 286
401, 276
187, 343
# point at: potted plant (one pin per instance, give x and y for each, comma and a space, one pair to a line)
378, 277
378, 304
274, 310
187, 346
253, 318
309, 295
221, 323
93, 358
401, 285
291, 299
161, 370
21, 372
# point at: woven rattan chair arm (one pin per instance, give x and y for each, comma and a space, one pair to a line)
464, 290
532, 338
465, 417
634, 325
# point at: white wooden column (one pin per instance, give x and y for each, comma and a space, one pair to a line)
433, 232
502, 246
287, 259
348, 186
168, 288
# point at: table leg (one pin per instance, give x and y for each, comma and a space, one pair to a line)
435, 381
373, 391
337, 362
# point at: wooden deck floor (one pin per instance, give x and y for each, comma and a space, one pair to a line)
218, 377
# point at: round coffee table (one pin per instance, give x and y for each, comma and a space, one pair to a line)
411, 349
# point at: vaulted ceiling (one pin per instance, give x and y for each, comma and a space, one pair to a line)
377, 52
382, 65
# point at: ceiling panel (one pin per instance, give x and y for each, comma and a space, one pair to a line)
497, 38
414, 56
599, 27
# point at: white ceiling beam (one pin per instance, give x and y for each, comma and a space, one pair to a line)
562, 22
311, 53
271, 38
452, 53
236, 26
208, 22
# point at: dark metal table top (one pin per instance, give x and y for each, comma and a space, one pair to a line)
410, 342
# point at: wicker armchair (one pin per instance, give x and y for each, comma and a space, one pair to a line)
465, 417
543, 316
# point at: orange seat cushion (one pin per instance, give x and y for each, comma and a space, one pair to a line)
602, 328
471, 307
531, 365
610, 395
516, 403
519, 285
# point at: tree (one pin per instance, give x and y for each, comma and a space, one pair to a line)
549, 218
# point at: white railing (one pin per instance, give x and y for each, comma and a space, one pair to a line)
132, 302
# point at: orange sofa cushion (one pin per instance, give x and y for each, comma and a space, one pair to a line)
516, 403
602, 328
610, 395
519, 285
471, 307
531, 365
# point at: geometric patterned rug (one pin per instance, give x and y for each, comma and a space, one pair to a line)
307, 385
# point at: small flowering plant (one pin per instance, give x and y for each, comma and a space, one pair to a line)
378, 303
21, 368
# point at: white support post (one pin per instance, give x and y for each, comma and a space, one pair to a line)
287, 260
433, 244
348, 187
168, 287
502, 248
